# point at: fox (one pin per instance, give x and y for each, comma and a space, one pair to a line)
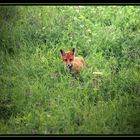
72, 63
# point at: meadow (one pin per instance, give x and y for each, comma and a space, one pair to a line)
37, 95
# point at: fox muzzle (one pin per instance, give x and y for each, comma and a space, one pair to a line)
69, 66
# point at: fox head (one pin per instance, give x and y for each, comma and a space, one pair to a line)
68, 57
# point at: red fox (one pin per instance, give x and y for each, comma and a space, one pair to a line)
73, 64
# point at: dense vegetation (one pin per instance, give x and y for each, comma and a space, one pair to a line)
37, 95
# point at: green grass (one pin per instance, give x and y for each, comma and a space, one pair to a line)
37, 95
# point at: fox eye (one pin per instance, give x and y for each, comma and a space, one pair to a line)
65, 59
70, 59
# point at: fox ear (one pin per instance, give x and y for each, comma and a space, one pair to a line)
73, 50
62, 52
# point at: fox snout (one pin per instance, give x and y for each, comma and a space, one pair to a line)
69, 66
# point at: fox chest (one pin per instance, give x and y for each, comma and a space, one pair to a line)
76, 67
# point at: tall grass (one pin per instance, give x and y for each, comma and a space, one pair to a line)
37, 95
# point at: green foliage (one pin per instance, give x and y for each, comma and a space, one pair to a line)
37, 95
